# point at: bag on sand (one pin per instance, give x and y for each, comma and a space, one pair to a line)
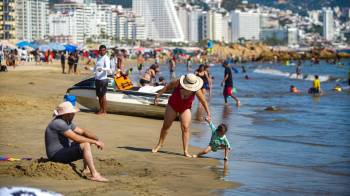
3, 68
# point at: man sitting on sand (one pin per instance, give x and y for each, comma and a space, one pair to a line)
59, 148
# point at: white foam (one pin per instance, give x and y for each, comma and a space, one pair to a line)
275, 72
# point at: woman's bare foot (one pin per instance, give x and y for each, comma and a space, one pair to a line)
98, 178
154, 150
86, 172
188, 155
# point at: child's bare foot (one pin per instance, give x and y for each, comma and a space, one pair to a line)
154, 150
238, 103
98, 178
195, 156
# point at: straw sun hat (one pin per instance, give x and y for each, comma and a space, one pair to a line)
191, 82
65, 108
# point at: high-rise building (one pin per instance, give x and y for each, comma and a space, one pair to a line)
328, 24
160, 17
314, 16
63, 27
32, 19
82, 21
225, 29
128, 26
245, 25
7, 19
194, 25
293, 36
212, 22
183, 14
189, 19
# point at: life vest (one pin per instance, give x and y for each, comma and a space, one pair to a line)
123, 82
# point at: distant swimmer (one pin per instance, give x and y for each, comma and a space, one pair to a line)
337, 88
294, 89
298, 69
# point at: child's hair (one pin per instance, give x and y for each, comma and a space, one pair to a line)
222, 127
316, 76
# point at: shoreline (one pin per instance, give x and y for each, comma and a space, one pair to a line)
27, 100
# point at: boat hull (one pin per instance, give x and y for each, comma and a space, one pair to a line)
121, 103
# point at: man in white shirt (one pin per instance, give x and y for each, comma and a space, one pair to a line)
101, 70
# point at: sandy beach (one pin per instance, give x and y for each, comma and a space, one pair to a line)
27, 99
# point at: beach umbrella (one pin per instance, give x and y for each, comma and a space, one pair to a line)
7, 44
177, 51
56, 47
139, 49
70, 48
22, 44
44, 47
33, 45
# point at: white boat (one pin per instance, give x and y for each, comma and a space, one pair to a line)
128, 102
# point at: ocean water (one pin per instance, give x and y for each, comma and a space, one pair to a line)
302, 149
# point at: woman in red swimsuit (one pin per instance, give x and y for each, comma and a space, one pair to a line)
180, 102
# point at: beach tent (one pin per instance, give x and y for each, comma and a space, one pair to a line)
70, 48
56, 46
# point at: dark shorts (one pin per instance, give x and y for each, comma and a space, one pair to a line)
205, 86
139, 67
101, 87
68, 155
143, 82
313, 91
227, 91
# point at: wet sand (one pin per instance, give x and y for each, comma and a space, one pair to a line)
27, 99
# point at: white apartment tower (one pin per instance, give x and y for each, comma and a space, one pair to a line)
189, 20
160, 18
32, 19
212, 22
183, 15
245, 25
193, 25
82, 21
328, 24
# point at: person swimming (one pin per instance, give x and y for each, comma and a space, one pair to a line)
337, 88
294, 89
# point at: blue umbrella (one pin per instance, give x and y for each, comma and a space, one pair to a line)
56, 47
70, 48
33, 45
22, 44
44, 48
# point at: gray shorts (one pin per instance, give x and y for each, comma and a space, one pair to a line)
101, 87
68, 155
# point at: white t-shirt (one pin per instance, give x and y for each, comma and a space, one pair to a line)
102, 68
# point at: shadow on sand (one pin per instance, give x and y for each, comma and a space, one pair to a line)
138, 149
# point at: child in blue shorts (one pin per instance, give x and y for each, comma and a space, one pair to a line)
218, 140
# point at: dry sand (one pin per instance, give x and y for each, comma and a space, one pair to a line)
27, 99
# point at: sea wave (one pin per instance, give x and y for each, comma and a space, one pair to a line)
310, 77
